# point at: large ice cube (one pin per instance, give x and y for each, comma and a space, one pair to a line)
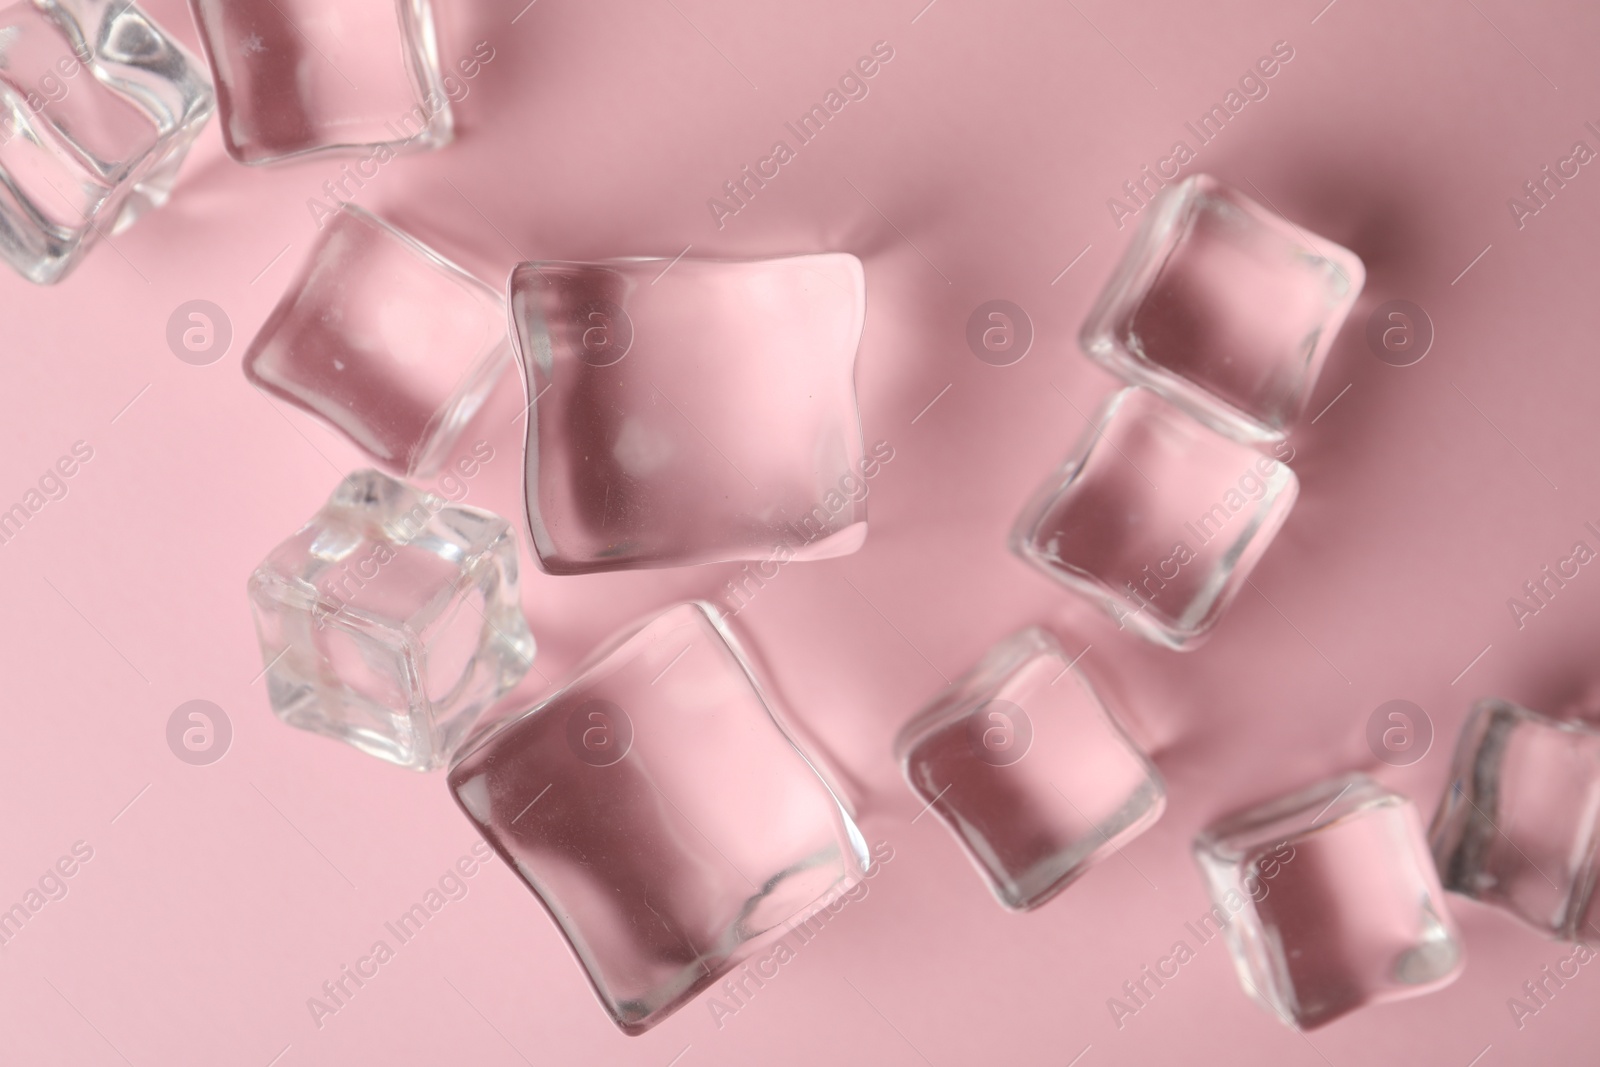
692, 411
661, 814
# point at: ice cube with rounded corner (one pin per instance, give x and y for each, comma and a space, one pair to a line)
1519, 824
1156, 518
301, 76
692, 411
1224, 307
660, 811
1029, 769
1329, 901
385, 340
98, 108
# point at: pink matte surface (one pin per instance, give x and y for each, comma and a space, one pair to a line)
224, 896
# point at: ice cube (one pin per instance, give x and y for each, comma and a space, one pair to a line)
391, 620
98, 107
385, 340
298, 76
692, 411
662, 814
1224, 307
1330, 901
1157, 518
1517, 826
1029, 770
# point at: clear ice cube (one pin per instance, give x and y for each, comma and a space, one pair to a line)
298, 76
98, 107
1517, 826
662, 814
391, 620
1029, 770
1224, 307
385, 340
1156, 517
691, 411
1329, 901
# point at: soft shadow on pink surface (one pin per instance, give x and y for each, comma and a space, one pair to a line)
219, 899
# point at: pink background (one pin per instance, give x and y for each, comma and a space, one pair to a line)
978, 168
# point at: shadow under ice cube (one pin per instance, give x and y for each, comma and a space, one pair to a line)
391, 620
1224, 307
1157, 518
1517, 827
692, 411
1029, 770
661, 813
98, 107
1330, 901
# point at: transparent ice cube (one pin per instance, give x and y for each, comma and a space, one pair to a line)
1224, 307
298, 76
1517, 826
1156, 517
1329, 901
692, 411
1025, 765
384, 339
98, 107
391, 620
661, 813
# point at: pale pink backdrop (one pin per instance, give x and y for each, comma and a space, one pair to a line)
977, 168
